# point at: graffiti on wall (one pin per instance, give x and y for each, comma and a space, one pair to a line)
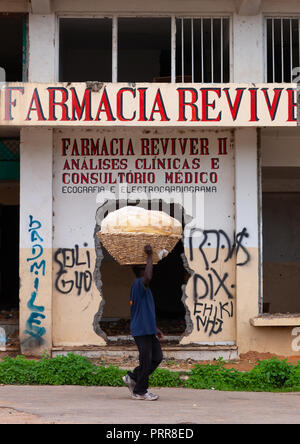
70, 277
213, 291
37, 266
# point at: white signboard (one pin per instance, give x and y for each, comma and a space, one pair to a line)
93, 166
148, 105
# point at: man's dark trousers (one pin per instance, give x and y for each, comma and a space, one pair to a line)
150, 356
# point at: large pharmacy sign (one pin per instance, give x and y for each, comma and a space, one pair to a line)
95, 104
164, 160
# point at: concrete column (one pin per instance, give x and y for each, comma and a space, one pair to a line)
248, 48
247, 222
36, 241
42, 48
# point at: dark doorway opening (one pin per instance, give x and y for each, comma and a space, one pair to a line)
13, 46
9, 257
281, 239
169, 275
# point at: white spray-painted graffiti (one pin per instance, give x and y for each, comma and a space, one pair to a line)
34, 331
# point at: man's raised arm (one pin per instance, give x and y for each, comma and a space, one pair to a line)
149, 267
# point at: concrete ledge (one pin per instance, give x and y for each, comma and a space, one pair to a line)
276, 320
197, 353
130, 338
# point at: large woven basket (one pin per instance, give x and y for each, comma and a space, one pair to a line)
128, 248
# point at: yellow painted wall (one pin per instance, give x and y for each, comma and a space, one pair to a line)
76, 299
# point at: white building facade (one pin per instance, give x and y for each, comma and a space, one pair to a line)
187, 107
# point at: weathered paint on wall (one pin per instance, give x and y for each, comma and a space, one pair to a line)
36, 182
42, 48
64, 307
247, 215
36, 241
76, 205
248, 33
76, 297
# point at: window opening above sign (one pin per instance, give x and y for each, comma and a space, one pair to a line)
139, 49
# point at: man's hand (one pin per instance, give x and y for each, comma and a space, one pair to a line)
160, 334
148, 250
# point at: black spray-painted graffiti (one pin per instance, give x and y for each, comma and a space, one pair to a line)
209, 312
220, 235
37, 266
68, 280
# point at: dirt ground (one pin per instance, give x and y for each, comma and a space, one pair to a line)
245, 363
12, 416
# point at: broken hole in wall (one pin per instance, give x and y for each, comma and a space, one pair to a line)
114, 281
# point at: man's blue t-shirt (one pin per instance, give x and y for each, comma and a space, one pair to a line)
142, 308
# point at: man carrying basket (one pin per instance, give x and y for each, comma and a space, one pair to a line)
144, 330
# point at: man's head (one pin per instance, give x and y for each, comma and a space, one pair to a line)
139, 270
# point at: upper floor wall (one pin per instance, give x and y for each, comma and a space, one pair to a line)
211, 41
242, 7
